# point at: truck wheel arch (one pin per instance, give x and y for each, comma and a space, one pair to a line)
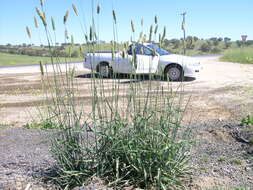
101, 63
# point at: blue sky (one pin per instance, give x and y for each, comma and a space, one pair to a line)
205, 18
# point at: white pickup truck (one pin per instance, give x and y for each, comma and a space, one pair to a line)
148, 58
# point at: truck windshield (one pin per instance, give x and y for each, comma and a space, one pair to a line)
159, 50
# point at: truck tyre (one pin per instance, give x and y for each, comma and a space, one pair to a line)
104, 70
174, 73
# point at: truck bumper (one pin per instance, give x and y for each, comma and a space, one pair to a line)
192, 71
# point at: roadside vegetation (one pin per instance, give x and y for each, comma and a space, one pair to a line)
247, 120
15, 60
233, 51
239, 55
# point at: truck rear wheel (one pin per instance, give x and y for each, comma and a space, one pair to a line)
104, 70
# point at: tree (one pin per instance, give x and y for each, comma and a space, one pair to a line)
239, 43
228, 44
195, 38
213, 39
176, 43
226, 39
75, 53
205, 47
249, 42
220, 39
216, 50
216, 43
190, 42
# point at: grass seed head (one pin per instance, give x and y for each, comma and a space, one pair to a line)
53, 23
164, 34
42, 16
91, 33
150, 33
41, 3
65, 18
28, 32
114, 16
86, 38
35, 22
75, 9
66, 34
156, 19
132, 25
98, 9
156, 29
142, 22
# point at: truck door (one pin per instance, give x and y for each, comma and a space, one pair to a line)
142, 61
147, 61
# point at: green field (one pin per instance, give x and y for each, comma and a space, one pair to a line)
15, 60
239, 55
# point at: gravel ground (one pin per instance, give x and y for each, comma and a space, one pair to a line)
24, 155
217, 159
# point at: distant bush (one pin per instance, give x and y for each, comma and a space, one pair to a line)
216, 50
228, 44
75, 53
205, 47
239, 55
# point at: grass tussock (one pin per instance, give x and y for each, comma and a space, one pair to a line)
135, 138
239, 55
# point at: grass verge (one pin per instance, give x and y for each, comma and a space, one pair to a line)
16, 60
239, 55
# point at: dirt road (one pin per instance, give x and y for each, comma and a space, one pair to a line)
219, 87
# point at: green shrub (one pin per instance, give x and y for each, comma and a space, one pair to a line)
205, 47
216, 50
45, 124
247, 121
239, 55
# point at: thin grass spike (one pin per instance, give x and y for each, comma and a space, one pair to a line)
114, 16
53, 23
150, 33
75, 9
65, 18
28, 32
132, 26
35, 22
156, 29
98, 9
41, 3
156, 19
42, 16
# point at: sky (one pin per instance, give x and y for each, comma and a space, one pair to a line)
204, 19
